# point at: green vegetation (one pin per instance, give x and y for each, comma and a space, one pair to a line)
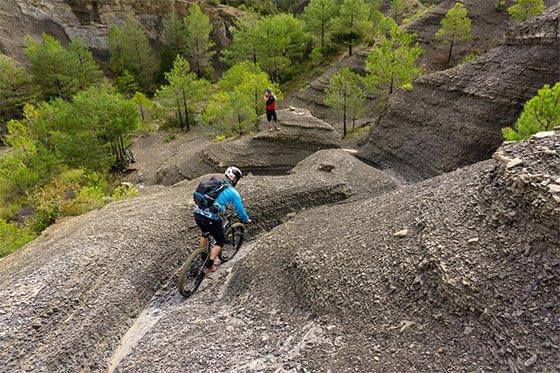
318, 16
352, 23
274, 43
347, 95
455, 27
234, 108
60, 156
184, 93
541, 113
174, 40
68, 125
397, 10
16, 89
523, 10
61, 72
131, 54
392, 63
198, 43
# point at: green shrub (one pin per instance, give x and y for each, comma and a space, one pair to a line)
87, 199
13, 237
468, 57
219, 138
124, 192
541, 113
169, 137
500, 5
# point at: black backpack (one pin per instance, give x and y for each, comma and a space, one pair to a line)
207, 191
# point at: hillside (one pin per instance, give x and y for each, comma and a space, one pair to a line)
90, 20
75, 290
472, 102
488, 30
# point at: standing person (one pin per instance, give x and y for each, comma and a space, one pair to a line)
270, 103
212, 196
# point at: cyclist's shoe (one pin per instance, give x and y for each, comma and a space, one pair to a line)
211, 269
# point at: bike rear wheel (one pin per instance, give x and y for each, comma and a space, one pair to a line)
192, 272
234, 238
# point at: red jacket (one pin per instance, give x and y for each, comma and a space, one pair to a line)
270, 102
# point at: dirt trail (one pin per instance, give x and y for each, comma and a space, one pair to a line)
213, 332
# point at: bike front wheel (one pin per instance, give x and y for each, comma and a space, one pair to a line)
192, 272
234, 238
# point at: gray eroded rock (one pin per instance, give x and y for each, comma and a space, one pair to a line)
454, 117
340, 263
269, 152
91, 274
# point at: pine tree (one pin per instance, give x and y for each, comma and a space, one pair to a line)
87, 71
392, 64
230, 113
52, 67
250, 80
199, 45
397, 10
130, 51
455, 27
352, 23
346, 94
16, 89
523, 10
275, 43
541, 113
245, 42
184, 93
175, 40
318, 16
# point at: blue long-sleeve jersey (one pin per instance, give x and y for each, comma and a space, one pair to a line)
226, 196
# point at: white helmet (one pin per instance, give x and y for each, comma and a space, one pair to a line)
233, 173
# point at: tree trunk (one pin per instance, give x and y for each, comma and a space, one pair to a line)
257, 108
142, 115
186, 111
322, 34
180, 115
350, 48
344, 118
450, 51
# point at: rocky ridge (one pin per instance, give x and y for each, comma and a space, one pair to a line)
270, 152
90, 20
459, 272
69, 296
473, 102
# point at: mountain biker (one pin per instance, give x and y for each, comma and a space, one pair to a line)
270, 103
209, 221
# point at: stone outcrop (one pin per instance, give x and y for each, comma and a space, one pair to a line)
454, 117
459, 272
269, 152
90, 20
488, 29
73, 290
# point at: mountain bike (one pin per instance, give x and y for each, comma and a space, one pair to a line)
192, 272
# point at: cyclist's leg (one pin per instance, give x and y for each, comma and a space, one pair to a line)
217, 231
201, 221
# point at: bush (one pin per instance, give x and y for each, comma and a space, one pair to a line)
13, 237
124, 191
169, 137
87, 199
541, 113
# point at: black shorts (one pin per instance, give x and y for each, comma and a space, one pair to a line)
210, 227
270, 114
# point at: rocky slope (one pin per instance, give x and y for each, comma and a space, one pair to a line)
270, 152
454, 117
460, 272
488, 29
90, 20
70, 296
